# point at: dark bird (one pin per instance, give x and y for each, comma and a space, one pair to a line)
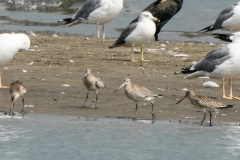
16, 90
164, 10
205, 103
228, 19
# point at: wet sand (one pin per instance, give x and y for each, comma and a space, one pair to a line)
52, 69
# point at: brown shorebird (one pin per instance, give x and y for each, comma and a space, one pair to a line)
138, 93
16, 89
205, 103
92, 83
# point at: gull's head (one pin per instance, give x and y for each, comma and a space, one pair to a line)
236, 37
148, 15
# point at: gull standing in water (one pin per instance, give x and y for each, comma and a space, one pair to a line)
137, 33
163, 10
221, 63
92, 83
228, 19
97, 12
10, 44
205, 103
138, 94
16, 90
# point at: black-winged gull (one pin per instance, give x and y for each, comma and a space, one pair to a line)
138, 33
10, 44
220, 63
228, 19
97, 12
163, 10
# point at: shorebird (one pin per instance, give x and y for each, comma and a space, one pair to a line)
205, 103
220, 63
16, 90
138, 94
92, 83
137, 33
163, 10
228, 19
10, 44
97, 12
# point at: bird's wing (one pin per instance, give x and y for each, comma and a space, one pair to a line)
206, 102
213, 58
125, 33
223, 16
87, 8
99, 83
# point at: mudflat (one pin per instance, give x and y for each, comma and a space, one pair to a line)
53, 68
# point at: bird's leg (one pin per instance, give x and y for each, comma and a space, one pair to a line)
210, 118
23, 111
134, 118
142, 58
223, 89
97, 28
230, 91
203, 117
103, 31
1, 86
132, 52
83, 106
153, 115
95, 107
11, 108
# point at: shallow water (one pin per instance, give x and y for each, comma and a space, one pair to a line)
67, 137
40, 15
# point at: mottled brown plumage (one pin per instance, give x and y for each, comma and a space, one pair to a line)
92, 83
204, 103
16, 89
138, 93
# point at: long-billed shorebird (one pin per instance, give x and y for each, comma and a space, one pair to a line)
92, 83
163, 10
138, 94
137, 34
10, 44
16, 90
97, 12
205, 103
228, 19
220, 63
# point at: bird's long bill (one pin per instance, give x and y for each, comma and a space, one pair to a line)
122, 85
181, 99
155, 19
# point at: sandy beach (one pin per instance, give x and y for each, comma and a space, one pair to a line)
54, 80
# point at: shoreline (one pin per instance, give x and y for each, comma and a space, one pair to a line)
52, 69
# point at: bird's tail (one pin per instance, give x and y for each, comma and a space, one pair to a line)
207, 29
158, 96
113, 45
225, 107
68, 21
224, 37
185, 70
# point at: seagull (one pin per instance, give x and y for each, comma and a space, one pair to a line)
138, 94
228, 19
16, 90
92, 83
220, 63
10, 44
137, 33
163, 10
205, 103
97, 12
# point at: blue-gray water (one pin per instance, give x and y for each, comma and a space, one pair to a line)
41, 137
40, 15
